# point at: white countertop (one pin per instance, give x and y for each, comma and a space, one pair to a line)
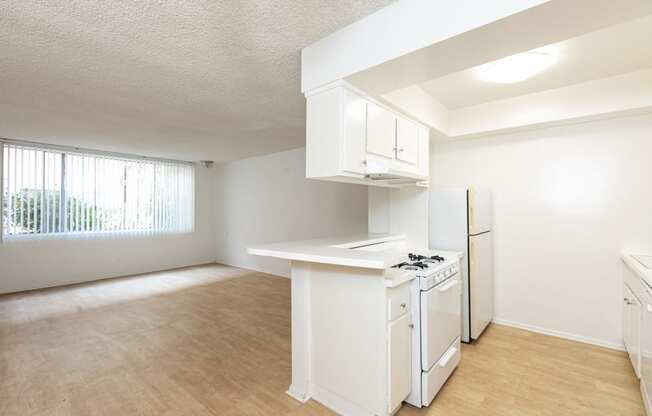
384, 251
644, 272
338, 250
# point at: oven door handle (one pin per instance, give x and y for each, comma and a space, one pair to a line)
447, 357
449, 285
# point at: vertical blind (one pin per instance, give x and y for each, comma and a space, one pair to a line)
52, 192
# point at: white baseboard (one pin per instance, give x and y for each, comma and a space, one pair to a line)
298, 394
338, 404
561, 334
249, 267
646, 399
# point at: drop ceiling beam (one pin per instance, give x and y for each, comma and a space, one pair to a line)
396, 30
412, 41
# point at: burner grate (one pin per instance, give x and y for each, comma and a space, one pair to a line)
419, 257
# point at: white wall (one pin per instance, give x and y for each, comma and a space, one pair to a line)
268, 199
565, 198
36, 264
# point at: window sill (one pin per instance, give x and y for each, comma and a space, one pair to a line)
105, 235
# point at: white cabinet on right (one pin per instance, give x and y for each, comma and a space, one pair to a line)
407, 141
632, 319
637, 321
381, 131
646, 348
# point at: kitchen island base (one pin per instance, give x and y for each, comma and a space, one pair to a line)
351, 338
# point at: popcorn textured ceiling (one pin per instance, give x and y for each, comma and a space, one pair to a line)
181, 79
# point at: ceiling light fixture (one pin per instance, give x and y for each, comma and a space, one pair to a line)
517, 67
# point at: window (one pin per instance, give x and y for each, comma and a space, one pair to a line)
47, 191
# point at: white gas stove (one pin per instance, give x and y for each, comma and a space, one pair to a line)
430, 269
437, 318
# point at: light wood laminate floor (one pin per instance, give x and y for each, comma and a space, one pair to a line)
215, 340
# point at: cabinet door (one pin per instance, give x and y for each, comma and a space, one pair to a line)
354, 134
424, 152
646, 344
381, 131
400, 360
635, 334
407, 141
626, 318
632, 327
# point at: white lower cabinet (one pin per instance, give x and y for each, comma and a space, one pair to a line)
399, 334
399, 346
637, 329
632, 327
646, 348
353, 353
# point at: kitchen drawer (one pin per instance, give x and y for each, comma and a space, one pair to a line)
433, 379
398, 301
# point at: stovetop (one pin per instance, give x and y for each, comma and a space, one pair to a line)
431, 269
421, 263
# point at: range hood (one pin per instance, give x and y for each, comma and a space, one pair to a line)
381, 172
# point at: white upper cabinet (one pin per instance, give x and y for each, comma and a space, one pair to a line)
350, 138
424, 152
381, 131
407, 141
354, 133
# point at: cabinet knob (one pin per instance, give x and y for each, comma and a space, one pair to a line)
364, 163
403, 305
401, 149
411, 326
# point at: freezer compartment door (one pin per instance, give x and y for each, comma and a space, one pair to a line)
481, 282
480, 211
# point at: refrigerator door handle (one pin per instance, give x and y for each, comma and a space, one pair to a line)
471, 201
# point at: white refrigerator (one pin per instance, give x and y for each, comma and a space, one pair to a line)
462, 220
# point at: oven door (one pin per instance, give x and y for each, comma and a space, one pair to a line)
441, 320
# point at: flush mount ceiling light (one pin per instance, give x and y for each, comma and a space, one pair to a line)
517, 67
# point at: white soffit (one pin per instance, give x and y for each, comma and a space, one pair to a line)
470, 45
620, 95
604, 53
601, 74
404, 27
